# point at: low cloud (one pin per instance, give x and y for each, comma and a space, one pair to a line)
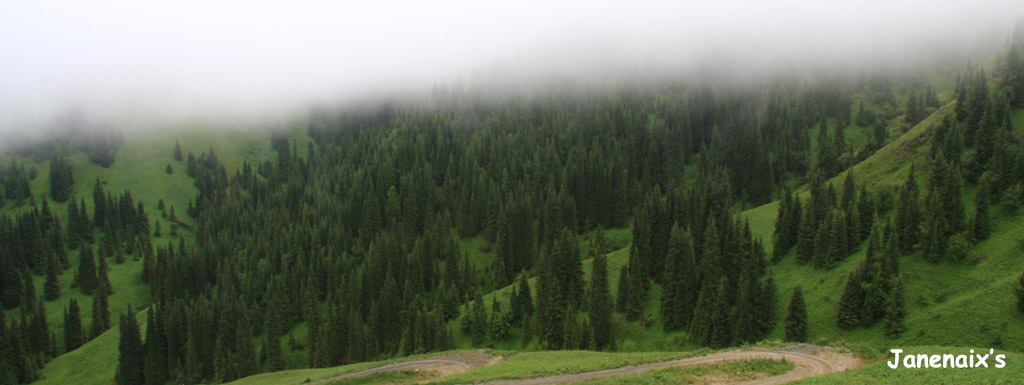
135, 61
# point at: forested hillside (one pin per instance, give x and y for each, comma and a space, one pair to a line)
379, 230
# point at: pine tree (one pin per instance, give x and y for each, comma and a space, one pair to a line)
156, 360
499, 323
721, 334
748, 327
768, 303
981, 225
702, 327
522, 301
51, 288
677, 299
851, 301
102, 280
907, 220
622, 294
131, 354
600, 301
177, 150
86, 270
100, 312
74, 332
796, 318
895, 311
99, 204
61, 179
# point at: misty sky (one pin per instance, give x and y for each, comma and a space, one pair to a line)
185, 57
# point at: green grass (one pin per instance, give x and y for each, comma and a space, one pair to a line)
140, 167
552, 363
93, 363
396, 377
698, 374
299, 376
950, 303
879, 372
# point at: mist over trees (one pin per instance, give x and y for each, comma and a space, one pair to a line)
362, 234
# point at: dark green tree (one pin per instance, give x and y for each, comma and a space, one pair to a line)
907, 219
177, 150
74, 332
622, 294
600, 302
895, 311
131, 355
677, 298
86, 270
796, 318
156, 361
100, 312
51, 287
851, 301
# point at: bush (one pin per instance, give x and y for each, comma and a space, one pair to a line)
959, 247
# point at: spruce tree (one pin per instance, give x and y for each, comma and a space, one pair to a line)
721, 334
748, 327
74, 332
703, 325
177, 150
895, 311
851, 301
768, 303
86, 270
156, 360
680, 281
981, 225
600, 302
622, 294
51, 288
522, 300
796, 318
907, 219
131, 354
100, 312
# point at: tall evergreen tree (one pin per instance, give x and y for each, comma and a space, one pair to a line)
74, 332
622, 294
100, 312
51, 287
677, 298
768, 303
748, 311
796, 317
895, 311
851, 301
600, 301
131, 353
156, 362
86, 270
907, 219
177, 150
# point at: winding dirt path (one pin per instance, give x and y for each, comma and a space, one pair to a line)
808, 360
805, 366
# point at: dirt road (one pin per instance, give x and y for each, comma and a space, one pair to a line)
806, 366
809, 360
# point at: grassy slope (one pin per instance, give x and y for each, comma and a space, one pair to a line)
93, 363
950, 303
140, 167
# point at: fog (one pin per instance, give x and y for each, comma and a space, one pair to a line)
135, 62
